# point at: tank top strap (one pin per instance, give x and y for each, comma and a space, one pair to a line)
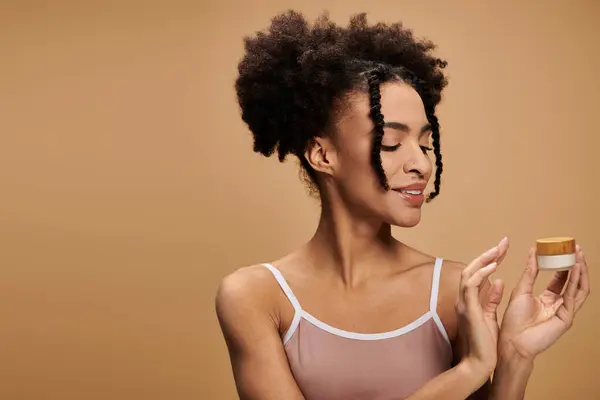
435, 290
292, 298
435, 285
285, 287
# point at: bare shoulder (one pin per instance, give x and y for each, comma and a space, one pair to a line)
451, 275
450, 279
244, 290
245, 280
248, 313
246, 300
451, 272
448, 294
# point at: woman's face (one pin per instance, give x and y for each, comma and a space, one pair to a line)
405, 156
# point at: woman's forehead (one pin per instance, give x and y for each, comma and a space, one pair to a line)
400, 103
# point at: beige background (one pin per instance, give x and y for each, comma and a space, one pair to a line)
129, 187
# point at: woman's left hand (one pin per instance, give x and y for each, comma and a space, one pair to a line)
531, 324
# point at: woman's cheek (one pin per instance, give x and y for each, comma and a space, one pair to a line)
391, 165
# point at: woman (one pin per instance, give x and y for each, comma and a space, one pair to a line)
353, 313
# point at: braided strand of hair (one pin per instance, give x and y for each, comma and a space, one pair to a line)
374, 79
439, 166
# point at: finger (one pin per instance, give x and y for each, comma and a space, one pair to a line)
494, 298
502, 250
485, 287
481, 261
556, 305
571, 291
473, 285
557, 284
565, 308
525, 284
484, 290
584, 280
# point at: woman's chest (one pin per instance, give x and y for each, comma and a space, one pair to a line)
380, 307
335, 364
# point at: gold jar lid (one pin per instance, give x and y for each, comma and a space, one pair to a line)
555, 246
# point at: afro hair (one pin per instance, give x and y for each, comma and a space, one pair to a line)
292, 76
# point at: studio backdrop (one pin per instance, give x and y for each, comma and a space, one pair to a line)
129, 187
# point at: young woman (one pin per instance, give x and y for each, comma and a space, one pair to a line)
354, 313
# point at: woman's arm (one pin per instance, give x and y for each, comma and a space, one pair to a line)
483, 392
511, 377
250, 327
457, 383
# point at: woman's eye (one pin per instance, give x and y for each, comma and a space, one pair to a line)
390, 148
424, 149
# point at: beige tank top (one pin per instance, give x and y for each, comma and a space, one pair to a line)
333, 364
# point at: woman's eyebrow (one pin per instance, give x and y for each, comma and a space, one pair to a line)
404, 128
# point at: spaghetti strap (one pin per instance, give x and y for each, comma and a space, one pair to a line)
435, 289
284, 286
291, 297
435, 285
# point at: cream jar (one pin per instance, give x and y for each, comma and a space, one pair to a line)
556, 253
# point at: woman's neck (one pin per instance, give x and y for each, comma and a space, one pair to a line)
353, 247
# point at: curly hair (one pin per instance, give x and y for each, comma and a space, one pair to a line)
293, 75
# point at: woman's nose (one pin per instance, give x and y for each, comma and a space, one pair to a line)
417, 162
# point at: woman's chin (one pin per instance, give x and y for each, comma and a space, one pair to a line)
407, 219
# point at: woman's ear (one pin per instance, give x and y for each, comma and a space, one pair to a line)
321, 156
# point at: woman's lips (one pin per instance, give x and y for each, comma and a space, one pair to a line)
413, 197
412, 194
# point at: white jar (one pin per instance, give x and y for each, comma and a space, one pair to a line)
556, 253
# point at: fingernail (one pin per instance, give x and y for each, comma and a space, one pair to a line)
492, 265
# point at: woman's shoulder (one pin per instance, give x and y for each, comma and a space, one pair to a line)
450, 269
448, 290
250, 294
251, 284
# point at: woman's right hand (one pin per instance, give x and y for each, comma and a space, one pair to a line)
476, 309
